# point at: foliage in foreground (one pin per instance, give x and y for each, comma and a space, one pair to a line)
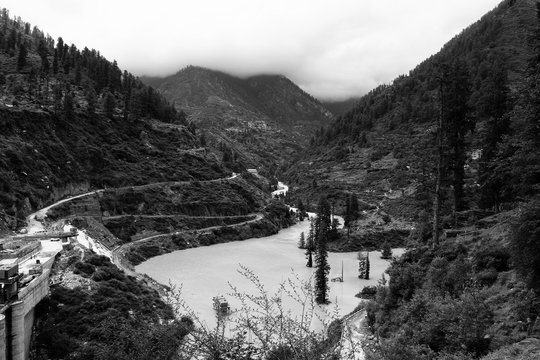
263, 327
450, 302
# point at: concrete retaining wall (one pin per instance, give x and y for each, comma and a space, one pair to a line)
23, 314
3, 340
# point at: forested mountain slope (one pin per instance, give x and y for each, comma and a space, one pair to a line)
71, 121
261, 120
387, 142
454, 148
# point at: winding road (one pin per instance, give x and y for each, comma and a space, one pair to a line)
120, 250
34, 223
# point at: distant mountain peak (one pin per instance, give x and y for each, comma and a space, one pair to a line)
280, 117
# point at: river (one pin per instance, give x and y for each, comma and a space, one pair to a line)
205, 272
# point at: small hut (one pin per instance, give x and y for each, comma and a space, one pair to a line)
221, 306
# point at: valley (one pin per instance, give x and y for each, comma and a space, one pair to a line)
206, 215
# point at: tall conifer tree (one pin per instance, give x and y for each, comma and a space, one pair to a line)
310, 244
322, 230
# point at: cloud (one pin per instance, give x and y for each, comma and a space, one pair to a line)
333, 49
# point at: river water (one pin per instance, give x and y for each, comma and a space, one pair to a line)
205, 272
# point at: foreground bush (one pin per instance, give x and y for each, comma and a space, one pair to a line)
117, 318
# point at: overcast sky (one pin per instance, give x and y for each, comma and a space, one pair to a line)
331, 48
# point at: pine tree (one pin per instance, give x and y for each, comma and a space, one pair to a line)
386, 251
68, 105
352, 212
66, 64
302, 241
43, 52
32, 82
21, 59
127, 85
310, 244
55, 62
368, 265
60, 48
57, 94
355, 209
301, 210
78, 74
494, 106
91, 99
2, 81
440, 158
347, 218
363, 265
109, 105
456, 125
322, 229
518, 158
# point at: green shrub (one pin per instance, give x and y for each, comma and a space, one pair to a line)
496, 258
367, 292
84, 269
98, 260
386, 252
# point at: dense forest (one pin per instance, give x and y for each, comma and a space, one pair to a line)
39, 71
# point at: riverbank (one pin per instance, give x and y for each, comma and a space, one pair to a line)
141, 250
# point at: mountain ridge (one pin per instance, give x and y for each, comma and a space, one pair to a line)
263, 118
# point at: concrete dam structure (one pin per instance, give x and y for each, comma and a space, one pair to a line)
17, 318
